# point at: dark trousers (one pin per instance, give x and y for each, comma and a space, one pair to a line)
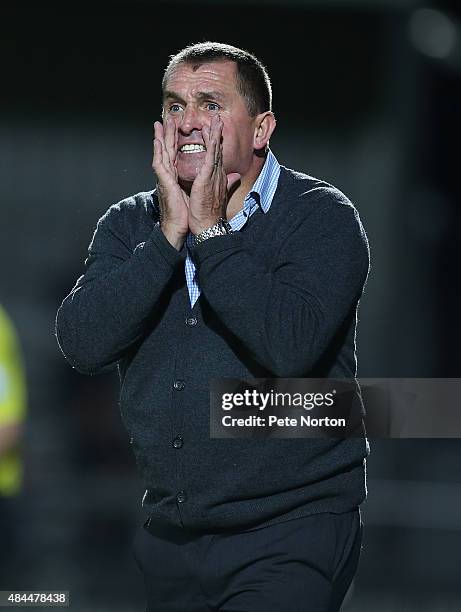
301, 565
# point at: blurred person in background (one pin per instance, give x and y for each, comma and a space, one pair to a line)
233, 267
12, 413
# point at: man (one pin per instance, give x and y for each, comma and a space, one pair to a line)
12, 414
233, 267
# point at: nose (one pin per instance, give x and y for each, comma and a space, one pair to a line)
190, 121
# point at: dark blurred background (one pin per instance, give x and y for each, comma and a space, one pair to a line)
367, 94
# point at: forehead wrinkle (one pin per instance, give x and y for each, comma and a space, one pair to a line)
199, 95
219, 95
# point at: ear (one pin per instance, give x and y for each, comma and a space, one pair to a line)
265, 125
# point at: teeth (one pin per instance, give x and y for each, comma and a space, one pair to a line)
192, 148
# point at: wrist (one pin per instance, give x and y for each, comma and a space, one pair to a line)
197, 226
221, 228
175, 236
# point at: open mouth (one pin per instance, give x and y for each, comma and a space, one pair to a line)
192, 148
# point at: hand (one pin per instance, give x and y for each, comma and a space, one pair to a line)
209, 193
172, 199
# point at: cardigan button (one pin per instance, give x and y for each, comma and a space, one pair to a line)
181, 497
179, 385
191, 321
178, 442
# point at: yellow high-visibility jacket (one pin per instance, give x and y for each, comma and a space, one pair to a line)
12, 403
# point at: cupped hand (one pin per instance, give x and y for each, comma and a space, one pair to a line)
209, 193
173, 201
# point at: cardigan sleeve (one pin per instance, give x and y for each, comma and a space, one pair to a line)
288, 315
111, 304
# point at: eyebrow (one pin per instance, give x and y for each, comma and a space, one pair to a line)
201, 95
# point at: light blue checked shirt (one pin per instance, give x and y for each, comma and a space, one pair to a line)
261, 193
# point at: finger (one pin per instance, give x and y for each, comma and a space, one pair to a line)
165, 155
206, 135
176, 138
209, 162
160, 136
157, 166
212, 160
158, 131
217, 135
208, 132
170, 138
157, 161
162, 171
207, 168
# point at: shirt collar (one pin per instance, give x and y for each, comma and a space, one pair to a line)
265, 185
263, 189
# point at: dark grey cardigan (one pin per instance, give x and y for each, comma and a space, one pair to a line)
279, 299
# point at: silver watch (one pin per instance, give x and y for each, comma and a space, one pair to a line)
221, 228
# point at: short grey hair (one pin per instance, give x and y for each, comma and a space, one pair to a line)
253, 81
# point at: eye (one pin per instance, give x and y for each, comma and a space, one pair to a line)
175, 108
212, 106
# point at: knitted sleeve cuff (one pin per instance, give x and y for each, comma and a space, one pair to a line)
158, 244
216, 245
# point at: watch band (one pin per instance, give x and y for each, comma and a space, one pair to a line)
221, 228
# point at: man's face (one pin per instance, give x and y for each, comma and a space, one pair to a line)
192, 98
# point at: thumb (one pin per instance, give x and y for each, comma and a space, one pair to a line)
232, 178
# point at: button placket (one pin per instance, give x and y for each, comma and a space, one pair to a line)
190, 320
